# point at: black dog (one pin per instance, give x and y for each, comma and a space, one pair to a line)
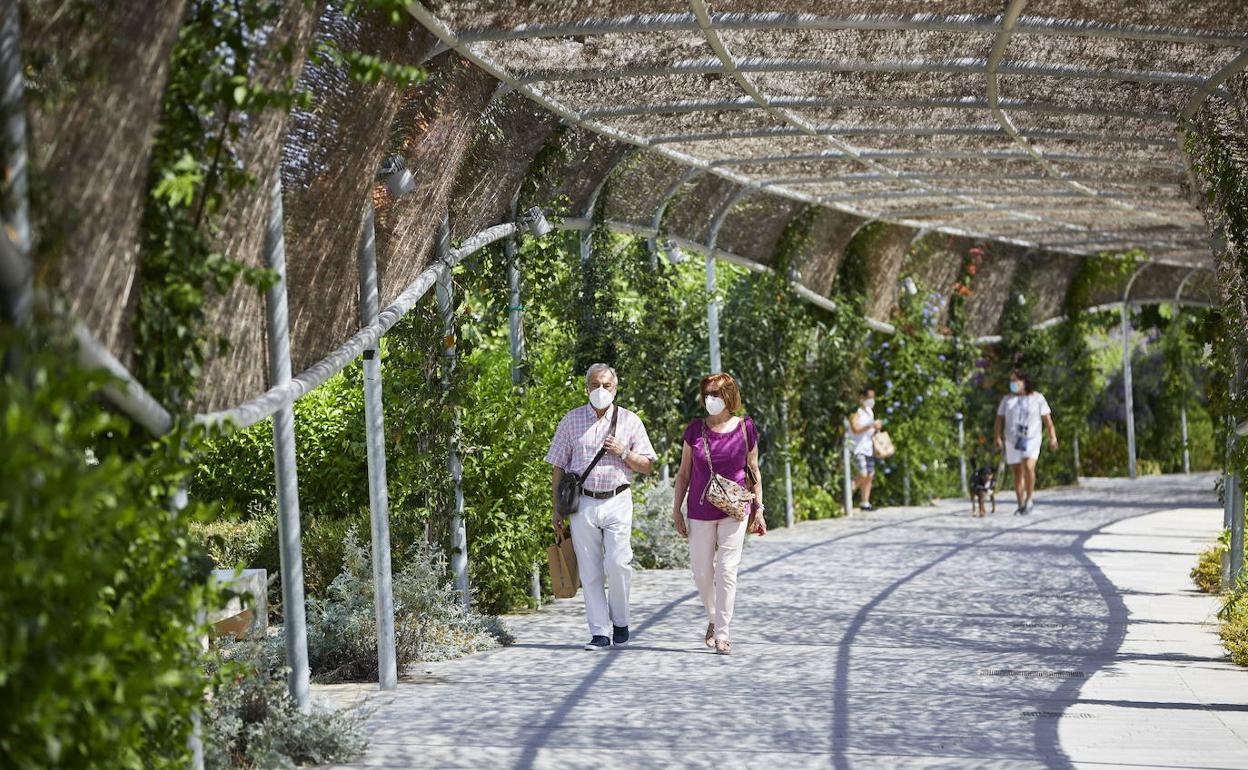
982, 486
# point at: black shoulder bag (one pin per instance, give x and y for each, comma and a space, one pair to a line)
568, 496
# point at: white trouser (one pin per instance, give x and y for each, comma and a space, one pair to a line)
716, 578
601, 534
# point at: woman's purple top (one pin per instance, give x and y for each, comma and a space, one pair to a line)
729, 455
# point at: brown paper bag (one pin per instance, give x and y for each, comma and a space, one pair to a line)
564, 579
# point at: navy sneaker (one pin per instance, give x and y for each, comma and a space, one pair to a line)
866, 507
598, 643
619, 636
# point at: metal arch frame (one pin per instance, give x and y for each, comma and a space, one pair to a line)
764, 65
712, 302
1213, 84
686, 22
802, 102
940, 155
886, 194
1178, 309
763, 133
732, 66
873, 177
1009, 23
686, 176
1029, 26
452, 42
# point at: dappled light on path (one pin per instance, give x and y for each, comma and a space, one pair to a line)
913, 638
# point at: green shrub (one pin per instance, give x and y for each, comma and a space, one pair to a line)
430, 621
656, 545
1104, 453
1207, 574
101, 584
251, 721
1234, 617
331, 461
506, 479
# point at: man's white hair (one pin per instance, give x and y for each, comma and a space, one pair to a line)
595, 369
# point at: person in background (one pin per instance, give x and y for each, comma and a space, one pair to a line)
862, 428
1018, 430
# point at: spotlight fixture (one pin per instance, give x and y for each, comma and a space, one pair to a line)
535, 220
672, 252
909, 286
399, 181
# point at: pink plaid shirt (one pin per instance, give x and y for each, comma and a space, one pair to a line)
581, 434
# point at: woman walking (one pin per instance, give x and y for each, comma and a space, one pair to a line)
1017, 429
719, 475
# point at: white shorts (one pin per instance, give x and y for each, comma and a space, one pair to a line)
1015, 456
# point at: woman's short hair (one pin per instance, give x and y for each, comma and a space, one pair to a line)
727, 388
594, 369
867, 389
1024, 378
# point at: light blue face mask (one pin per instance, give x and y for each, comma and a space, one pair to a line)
1015, 386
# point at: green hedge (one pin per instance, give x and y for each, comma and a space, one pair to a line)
100, 588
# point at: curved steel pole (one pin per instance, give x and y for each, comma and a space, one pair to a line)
375, 446
1126, 371
847, 499
515, 344
657, 219
443, 290
288, 528
1178, 309
712, 304
16, 273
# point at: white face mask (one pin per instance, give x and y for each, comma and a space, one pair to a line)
714, 405
601, 398
868, 403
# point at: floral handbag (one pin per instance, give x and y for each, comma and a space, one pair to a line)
724, 493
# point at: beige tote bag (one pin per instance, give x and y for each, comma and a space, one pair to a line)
564, 579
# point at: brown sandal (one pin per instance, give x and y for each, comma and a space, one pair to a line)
723, 646
710, 635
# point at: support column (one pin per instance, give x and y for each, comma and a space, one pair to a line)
788, 464
847, 462
1187, 455
966, 489
1127, 395
1229, 489
294, 625
905, 483
1236, 561
459, 535
515, 343
712, 304
712, 315
16, 274
515, 310
1074, 445
375, 433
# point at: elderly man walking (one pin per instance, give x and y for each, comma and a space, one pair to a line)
602, 526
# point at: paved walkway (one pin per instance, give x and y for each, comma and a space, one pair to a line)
916, 638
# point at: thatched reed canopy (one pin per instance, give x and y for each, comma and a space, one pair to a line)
1045, 131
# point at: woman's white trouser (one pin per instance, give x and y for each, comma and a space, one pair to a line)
715, 554
601, 534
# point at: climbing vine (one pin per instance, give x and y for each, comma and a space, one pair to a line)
1220, 167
